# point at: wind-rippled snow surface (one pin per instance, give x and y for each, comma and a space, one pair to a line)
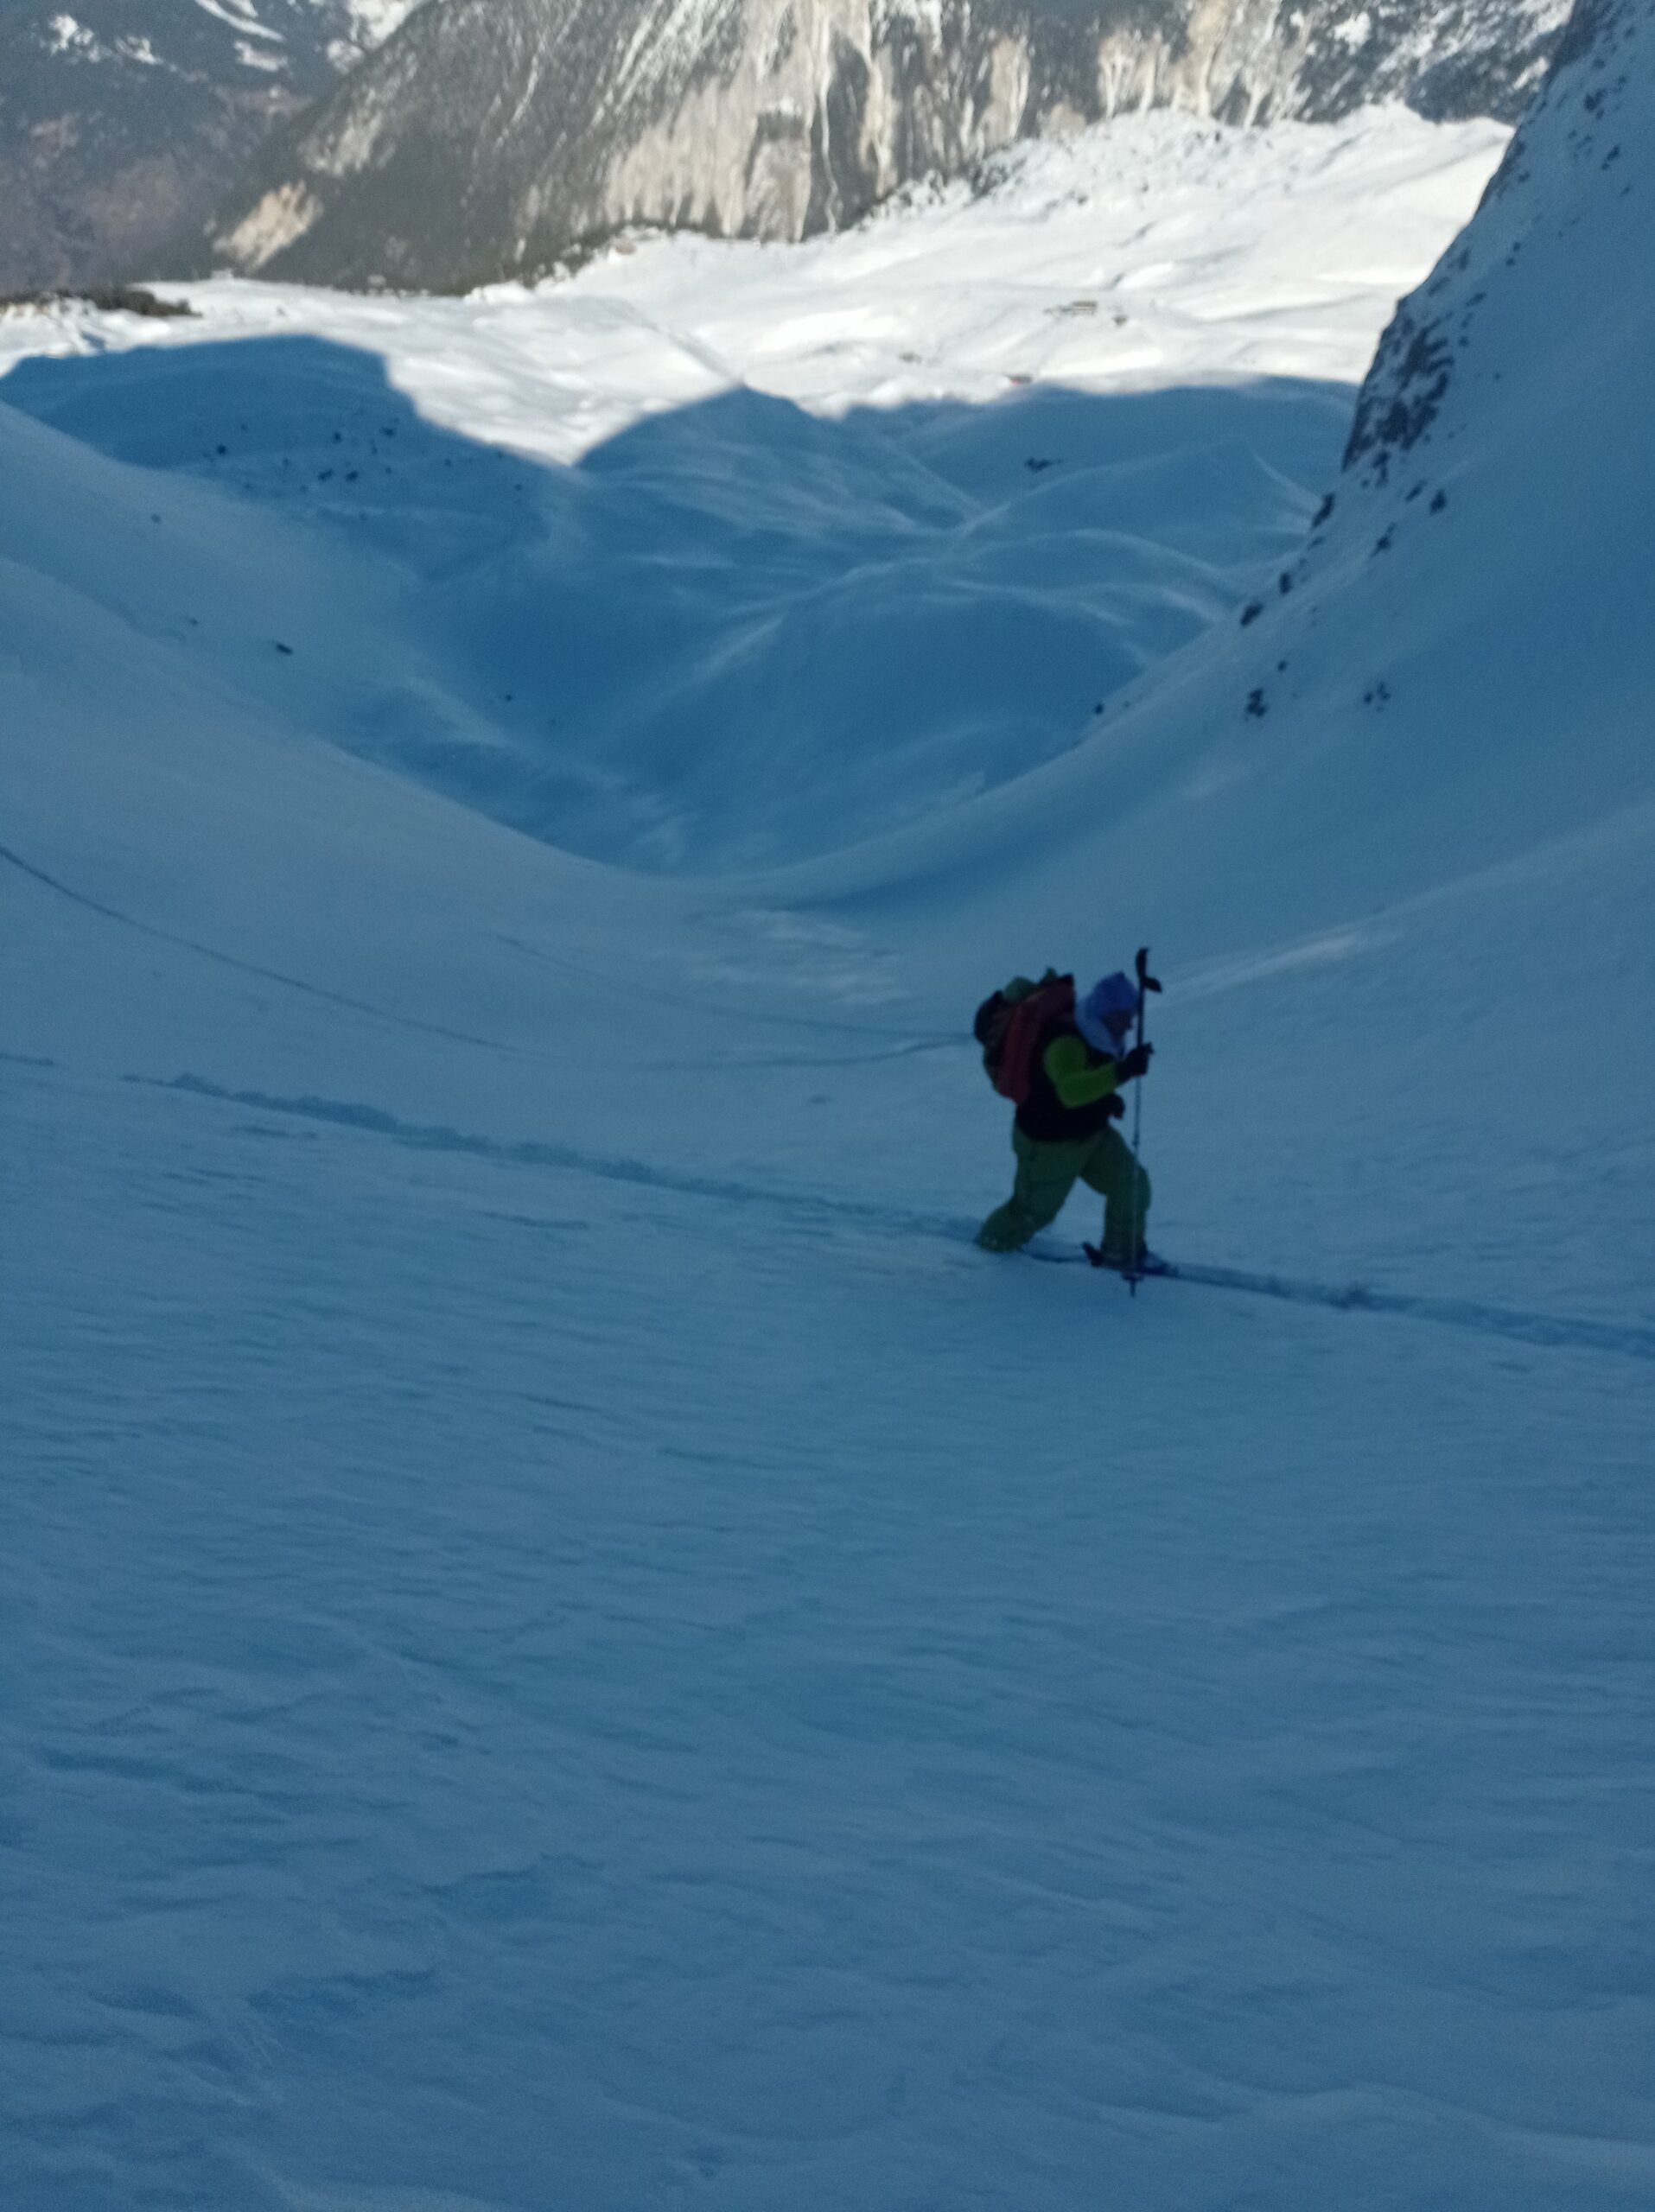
573, 1647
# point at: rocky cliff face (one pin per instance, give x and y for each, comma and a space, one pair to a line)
123, 123
491, 137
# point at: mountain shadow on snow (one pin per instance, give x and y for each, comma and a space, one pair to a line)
737, 632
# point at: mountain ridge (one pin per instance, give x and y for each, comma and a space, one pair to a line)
487, 141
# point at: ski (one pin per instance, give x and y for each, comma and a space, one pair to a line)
1151, 1263
1091, 1255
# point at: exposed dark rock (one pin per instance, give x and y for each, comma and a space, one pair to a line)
115, 299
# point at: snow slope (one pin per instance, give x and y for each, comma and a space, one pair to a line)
576, 1645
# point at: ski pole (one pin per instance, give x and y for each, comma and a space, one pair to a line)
1146, 984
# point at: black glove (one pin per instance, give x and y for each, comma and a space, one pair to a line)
1136, 1062
1114, 1107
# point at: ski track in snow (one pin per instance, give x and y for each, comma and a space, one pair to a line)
246, 967
805, 1207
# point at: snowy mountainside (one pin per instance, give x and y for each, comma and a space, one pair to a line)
493, 138
123, 121
571, 1642
1474, 311
1002, 570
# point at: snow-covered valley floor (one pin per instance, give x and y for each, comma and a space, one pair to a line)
574, 1646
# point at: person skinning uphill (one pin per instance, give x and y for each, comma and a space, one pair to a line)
1063, 1062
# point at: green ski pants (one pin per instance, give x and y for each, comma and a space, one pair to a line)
1045, 1175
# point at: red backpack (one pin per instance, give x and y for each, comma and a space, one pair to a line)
1010, 1024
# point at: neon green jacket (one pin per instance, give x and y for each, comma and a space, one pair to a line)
1076, 1073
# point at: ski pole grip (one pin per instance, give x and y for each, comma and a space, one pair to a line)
1146, 984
